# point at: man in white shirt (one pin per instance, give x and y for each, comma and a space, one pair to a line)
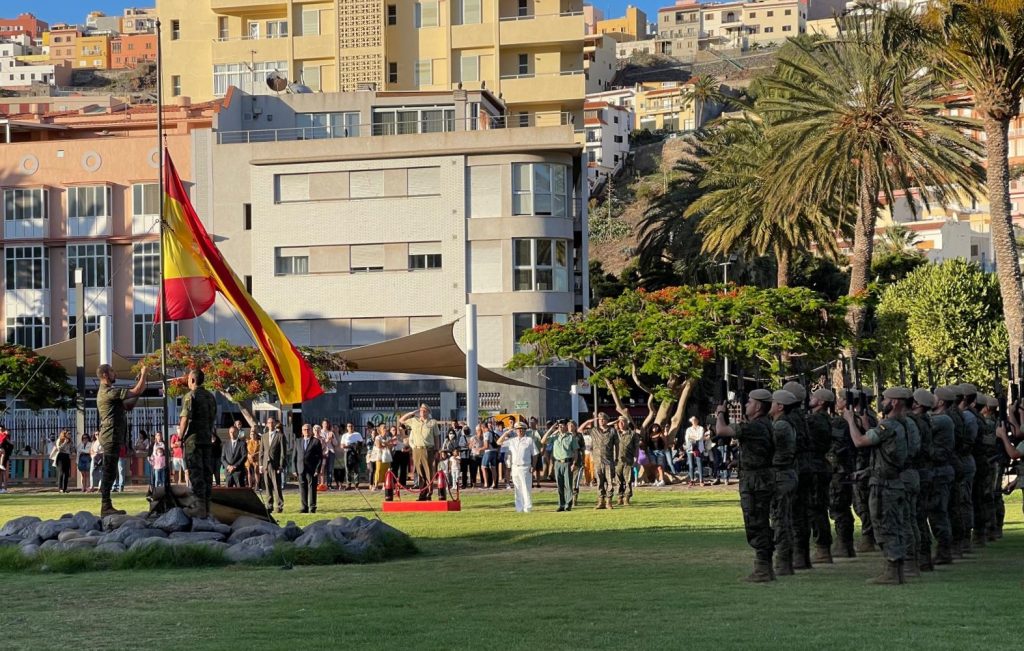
694, 446
522, 453
350, 441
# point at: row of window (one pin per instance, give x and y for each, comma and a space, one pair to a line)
289, 261
34, 331
82, 201
427, 13
28, 267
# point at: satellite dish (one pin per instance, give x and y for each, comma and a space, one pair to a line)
299, 89
277, 82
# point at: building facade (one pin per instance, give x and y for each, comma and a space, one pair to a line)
599, 63
129, 50
666, 107
630, 27
360, 217
607, 138
92, 51
138, 21
16, 73
25, 23
62, 39
689, 27
528, 51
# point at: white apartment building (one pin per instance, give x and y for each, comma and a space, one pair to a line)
688, 27
607, 138
15, 73
624, 97
599, 62
361, 217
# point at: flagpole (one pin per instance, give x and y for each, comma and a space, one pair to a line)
162, 302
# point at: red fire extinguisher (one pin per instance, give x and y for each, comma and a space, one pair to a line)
442, 485
389, 486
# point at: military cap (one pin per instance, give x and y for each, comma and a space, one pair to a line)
897, 393
968, 389
784, 397
945, 394
868, 392
519, 425
924, 398
796, 389
993, 401
957, 390
824, 395
764, 395
983, 400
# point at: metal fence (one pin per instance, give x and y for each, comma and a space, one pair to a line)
33, 428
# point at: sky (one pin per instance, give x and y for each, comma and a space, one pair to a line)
616, 8
66, 11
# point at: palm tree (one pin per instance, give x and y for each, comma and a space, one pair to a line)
852, 115
733, 214
897, 238
705, 90
980, 44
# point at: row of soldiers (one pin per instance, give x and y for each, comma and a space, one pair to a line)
928, 468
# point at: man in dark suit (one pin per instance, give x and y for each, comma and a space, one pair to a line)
233, 459
273, 461
309, 455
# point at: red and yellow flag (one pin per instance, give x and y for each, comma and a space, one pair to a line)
194, 269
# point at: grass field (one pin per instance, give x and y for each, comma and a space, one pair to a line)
662, 574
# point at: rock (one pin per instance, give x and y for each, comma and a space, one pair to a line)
212, 544
238, 535
359, 521
341, 521
85, 521
82, 542
10, 541
209, 524
136, 535
29, 550
69, 534
67, 516
112, 522
290, 532
247, 521
18, 526
111, 548
53, 546
31, 540
50, 529
196, 536
357, 548
120, 535
314, 538
146, 543
173, 520
266, 540
377, 532
241, 553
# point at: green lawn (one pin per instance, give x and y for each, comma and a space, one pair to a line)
661, 574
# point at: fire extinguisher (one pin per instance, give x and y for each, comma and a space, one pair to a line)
442, 486
389, 486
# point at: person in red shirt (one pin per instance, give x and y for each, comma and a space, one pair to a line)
177, 460
6, 450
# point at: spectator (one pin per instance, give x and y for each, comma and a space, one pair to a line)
372, 455
84, 477
503, 461
122, 465
233, 458
142, 449
588, 459
351, 441
6, 452
51, 445
216, 452
476, 451
96, 462
329, 441
158, 460
274, 459
177, 460
400, 454
382, 443
659, 454
253, 452
423, 434
462, 442
489, 459
538, 437
695, 450
522, 452
308, 457
63, 448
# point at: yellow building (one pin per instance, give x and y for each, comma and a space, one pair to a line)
667, 107
631, 27
92, 52
528, 51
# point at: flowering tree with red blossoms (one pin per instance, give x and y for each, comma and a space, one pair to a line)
662, 343
239, 373
38, 381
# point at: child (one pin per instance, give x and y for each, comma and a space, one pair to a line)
159, 461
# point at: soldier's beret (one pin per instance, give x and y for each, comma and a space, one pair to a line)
763, 395
868, 391
897, 393
968, 389
982, 400
957, 391
784, 397
945, 394
824, 395
796, 389
924, 398
993, 401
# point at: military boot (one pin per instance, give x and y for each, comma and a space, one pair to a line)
622, 500
844, 549
784, 565
601, 504
943, 555
762, 572
865, 544
106, 508
980, 538
890, 574
910, 566
629, 500
609, 504
924, 559
965, 544
802, 558
822, 554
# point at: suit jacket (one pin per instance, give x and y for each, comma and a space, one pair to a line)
308, 461
275, 451
234, 458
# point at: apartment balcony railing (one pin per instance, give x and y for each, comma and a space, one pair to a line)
562, 14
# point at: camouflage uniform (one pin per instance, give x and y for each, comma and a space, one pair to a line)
888, 490
113, 434
862, 492
912, 484
956, 522
629, 443
985, 448
923, 463
603, 445
842, 458
943, 474
819, 434
784, 465
804, 488
200, 407
757, 484
965, 450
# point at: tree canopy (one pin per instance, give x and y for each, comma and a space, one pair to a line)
38, 381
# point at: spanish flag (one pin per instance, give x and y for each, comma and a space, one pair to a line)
194, 269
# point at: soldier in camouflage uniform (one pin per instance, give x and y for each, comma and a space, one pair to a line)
888, 443
819, 432
912, 484
956, 522
111, 404
629, 443
841, 457
198, 419
985, 449
802, 496
604, 443
861, 486
965, 451
757, 477
940, 510
923, 400
784, 462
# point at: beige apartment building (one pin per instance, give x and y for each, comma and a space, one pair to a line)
688, 27
528, 52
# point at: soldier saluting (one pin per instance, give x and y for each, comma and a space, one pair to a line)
111, 404
198, 416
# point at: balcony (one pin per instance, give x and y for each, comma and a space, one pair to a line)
318, 46
35, 228
145, 224
97, 300
89, 226
479, 35
26, 302
551, 87
245, 6
537, 30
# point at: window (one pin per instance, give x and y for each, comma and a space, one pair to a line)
539, 189
524, 8
248, 284
247, 216
787, 28
89, 201
788, 12
470, 68
328, 125
28, 203
769, 30
310, 22
175, 30
238, 75
254, 30
28, 331
753, 14
366, 258
617, 138
524, 119
145, 207
277, 29
771, 13
521, 322
392, 14
222, 28
28, 267
291, 261
311, 76
425, 261
392, 72
540, 265
426, 14
147, 338
115, 47
423, 73
93, 260
146, 264
471, 12
524, 64
175, 85
92, 323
